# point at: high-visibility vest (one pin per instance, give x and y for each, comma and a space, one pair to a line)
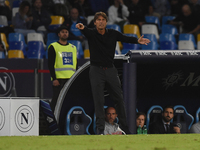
66, 60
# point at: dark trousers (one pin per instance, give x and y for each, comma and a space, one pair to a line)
56, 92
108, 78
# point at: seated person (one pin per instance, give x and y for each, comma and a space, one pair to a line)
5, 10
22, 21
110, 126
41, 16
195, 128
118, 13
140, 119
74, 33
188, 20
164, 126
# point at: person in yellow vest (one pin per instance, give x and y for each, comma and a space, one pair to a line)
62, 61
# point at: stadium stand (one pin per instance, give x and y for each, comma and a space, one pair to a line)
153, 19
2, 55
150, 29
14, 11
15, 54
18, 45
114, 26
35, 50
78, 47
151, 46
52, 36
16, 3
198, 45
185, 45
132, 29
4, 39
189, 37
56, 22
35, 37
168, 28
168, 45
165, 19
77, 121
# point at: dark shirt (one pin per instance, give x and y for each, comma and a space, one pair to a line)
41, 18
51, 60
136, 14
157, 127
189, 22
102, 47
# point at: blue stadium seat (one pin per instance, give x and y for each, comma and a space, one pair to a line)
168, 28
99, 5
188, 37
130, 46
35, 50
16, 3
165, 19
78, 47
152, 38
151, 46
114, 26
77, 121
197, 115
54, 27
17, 37
182, 118
154, 20
167, 37
2, 55
153, 114
168, 45
17, 45
52, 36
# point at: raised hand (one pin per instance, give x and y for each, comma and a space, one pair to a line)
80, 26
142, 40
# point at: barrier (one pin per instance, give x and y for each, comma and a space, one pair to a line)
19, 116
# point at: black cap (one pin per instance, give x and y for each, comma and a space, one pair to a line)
62, 27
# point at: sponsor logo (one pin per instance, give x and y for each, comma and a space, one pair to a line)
7, 83
179, 111
24, 118
2, 118
49, 119
76, 127
156, 111
77, 112
179, 125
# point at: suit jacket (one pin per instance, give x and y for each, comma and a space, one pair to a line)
157, 127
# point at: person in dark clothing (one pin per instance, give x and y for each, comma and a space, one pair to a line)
188, 20
41, 17
74, 33
136, 13
62, 61
5, 10
164, 126
102, 43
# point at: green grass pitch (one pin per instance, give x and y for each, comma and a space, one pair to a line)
102, 142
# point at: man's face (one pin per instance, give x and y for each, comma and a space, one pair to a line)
111, 115
38, 4
74, 14
63, 34
168, 114
100, 23
140, 121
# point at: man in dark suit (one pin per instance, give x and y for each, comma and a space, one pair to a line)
164, 126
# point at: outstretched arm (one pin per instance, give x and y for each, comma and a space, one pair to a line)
142, 40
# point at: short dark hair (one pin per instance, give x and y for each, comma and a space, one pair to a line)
168, 106
100, 14
139, 114
23, 4
106, 109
